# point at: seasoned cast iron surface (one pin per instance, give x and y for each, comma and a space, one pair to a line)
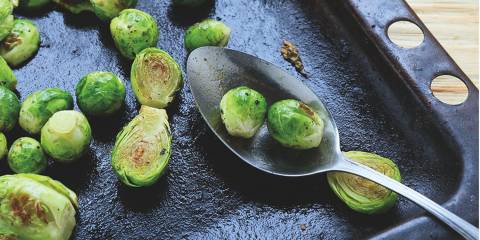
207, 191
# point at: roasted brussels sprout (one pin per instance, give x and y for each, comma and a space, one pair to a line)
10, 106
26, 156
66, 135
21, 44
363, 195
100, 93
75, 6
209, 32
133, 31
294, 124
155, 77
7, 78
3, 146
142, 148
243, 111
39, 106
108, 9
189, 3
6, 18
33, 4
36, 207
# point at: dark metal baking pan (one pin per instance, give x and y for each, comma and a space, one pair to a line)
378, 93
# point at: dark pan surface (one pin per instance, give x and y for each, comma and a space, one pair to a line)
208, 192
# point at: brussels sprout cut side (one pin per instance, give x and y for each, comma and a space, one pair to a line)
363, 195
66, 135
133, 31
209, 32
26, 156
39, 106
21, 44
3, 146
243, 111
7, 78
36, 207
142, 148
100, 93
108, 9
10, 107
155, 77
294, 124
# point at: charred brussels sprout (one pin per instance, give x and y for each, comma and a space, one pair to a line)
142, 148
108, 9
7, 78
294, 124
66, 135
10, 106
3, 146
189, 3
75, 6
209, 32
133, 31
39, 106
363, 195
26, 156
100, 93
155, 77
33, 4
243, 111
21, 44
6, 18
36, 207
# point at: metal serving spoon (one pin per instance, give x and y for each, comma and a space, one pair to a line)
212, 71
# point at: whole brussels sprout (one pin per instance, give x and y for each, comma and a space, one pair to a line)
155, 77
75, 6
189, 3
26, 156
209, 32
3, 146
66, 135
7, 78
108, 9
142, 148
39, 106
363, 195
243, 111
10, 106
6, 18
21, 44
294, 124
33, 4
100, 93
36, 207
133, 31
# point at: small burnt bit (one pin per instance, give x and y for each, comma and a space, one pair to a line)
25, 208
306, 109
11, 41
290, 53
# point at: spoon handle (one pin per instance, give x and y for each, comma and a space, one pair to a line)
467, 230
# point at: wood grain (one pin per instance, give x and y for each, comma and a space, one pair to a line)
455, 25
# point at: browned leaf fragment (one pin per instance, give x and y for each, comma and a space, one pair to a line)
291, 54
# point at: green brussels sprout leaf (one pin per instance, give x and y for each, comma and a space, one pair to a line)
9, 110
26, 156
21, 44
209, 32
7, 78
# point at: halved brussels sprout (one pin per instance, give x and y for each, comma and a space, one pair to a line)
363, 195
209, 32
243, 111
294, 124
189, 3
108, 9
7, 78
66, 135
6, 18
39, 106
3, 146
75, 6
21, 44
26, 156
132, 31
10, 106
36, 207
100, 93
33, 4
155, 77
142, 148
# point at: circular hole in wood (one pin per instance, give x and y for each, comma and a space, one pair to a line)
405, 34
449, 89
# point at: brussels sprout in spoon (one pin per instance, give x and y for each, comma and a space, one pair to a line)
236, 68
21, 44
